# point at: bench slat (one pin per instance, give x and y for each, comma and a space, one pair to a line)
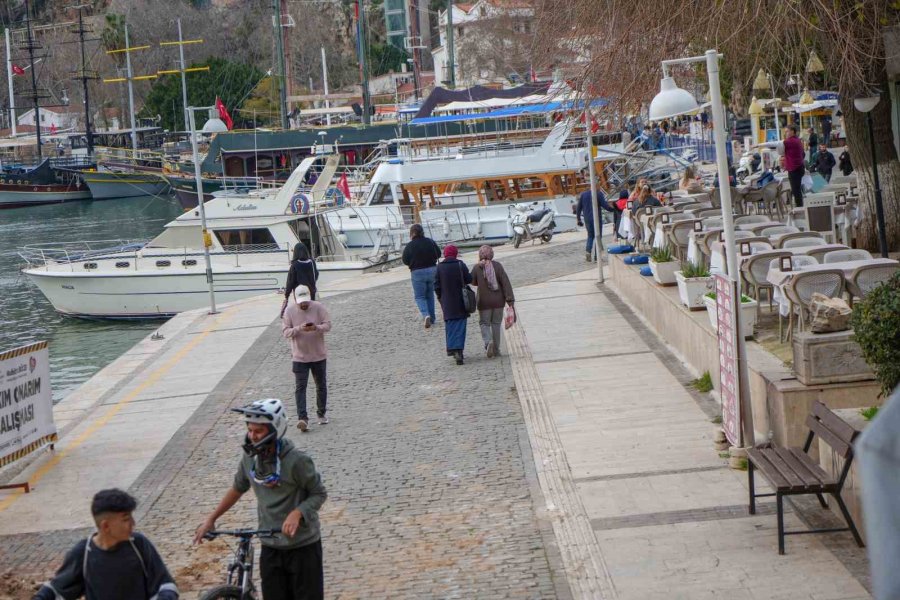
837, 425
828, 481
840, 446
797, 482
803, 466
761, 461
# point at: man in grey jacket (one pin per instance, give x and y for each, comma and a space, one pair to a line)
289, 492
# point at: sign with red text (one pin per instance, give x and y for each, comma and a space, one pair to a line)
26, 404
729, 384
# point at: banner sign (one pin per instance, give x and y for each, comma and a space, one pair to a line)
26, 405
729, 386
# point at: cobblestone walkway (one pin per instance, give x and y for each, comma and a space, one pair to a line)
427, 464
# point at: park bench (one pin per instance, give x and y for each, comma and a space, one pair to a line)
791, 471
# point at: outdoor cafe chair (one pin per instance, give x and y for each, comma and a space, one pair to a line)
866, 278
770, 230
819, 253
798, 261
705, 240
799, 235
803, 285
803, 242
849, 254
750, 219
797, 218
678, 237
754, 271
707, 212
712, 222
770, 200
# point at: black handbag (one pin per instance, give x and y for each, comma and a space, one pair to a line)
468, 294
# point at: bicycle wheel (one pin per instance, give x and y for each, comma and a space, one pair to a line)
223, 592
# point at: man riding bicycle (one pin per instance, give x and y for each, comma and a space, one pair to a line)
289, 492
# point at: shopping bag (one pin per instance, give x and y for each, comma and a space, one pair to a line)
806, 183
818, 182
509, 317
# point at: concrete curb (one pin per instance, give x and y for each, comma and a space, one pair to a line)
583, 561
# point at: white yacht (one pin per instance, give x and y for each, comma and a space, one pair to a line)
251, 238
468, 197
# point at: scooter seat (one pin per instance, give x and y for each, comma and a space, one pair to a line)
537, 215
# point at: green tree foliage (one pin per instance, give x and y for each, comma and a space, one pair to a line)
231, 81
113, 36
876, 326
262, 105
385, 57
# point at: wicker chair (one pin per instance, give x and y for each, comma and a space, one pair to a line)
707, 212
819, 252
770, 200
804, 284
770, 230
705, 240
678, 237
750, 219
712, 222
836, 256
754, 271
798, 218
784, 239
867, 277
804, 243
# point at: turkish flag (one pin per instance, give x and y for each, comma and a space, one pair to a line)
223, 113
17, 70
344, 186
53, 129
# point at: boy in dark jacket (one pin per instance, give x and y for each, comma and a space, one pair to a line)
825, 162
115, 562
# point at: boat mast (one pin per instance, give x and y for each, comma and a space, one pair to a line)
182, 69
85, 76
134, 142
363, 64
279, 52
9, 77
451, 58
31, 46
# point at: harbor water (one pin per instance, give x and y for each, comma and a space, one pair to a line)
78, 348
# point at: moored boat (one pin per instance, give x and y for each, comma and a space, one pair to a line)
122, 184
41, 184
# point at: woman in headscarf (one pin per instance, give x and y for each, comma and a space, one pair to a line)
452, 276
494, 290
303, 271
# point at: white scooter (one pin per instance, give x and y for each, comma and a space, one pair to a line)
531, 222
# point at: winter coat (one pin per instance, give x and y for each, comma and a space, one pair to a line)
488, 298
452, 274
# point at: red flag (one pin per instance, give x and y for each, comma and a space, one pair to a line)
17, 70
344, 185
52, 128
223, 113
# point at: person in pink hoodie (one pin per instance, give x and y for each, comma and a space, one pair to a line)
305, 323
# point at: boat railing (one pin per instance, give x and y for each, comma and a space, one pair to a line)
71, 252
72, 162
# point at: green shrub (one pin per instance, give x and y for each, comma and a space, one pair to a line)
744, 298
703, 383
869, 413
661, 255
690, 270
876, 326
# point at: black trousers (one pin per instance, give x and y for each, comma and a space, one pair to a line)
301, 378
796, 179
292, 574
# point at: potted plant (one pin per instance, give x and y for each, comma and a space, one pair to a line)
693, 282
876, 327
663, 266
748, 313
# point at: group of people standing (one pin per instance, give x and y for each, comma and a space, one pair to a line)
449, 281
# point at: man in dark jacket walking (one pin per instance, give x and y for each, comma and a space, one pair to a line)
825, 162
421, 255
584, 214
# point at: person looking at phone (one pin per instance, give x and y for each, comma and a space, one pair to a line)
305, 323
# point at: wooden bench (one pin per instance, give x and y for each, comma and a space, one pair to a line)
791, 471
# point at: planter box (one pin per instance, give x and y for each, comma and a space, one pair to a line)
691, 291
748, 315
829, 358
664, 273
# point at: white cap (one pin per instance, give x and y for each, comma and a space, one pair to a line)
301, 292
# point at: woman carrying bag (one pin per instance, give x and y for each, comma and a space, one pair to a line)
451, 288
494, 290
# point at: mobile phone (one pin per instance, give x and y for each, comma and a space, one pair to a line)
308, 324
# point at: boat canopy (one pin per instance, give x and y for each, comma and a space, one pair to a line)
511, 111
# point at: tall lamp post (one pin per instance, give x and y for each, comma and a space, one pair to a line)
867, 105
213, 125
764, 83
672, 101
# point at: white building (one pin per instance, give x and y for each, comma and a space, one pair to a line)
52, 117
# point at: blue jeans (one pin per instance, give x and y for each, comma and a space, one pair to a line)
423, 290
589, 227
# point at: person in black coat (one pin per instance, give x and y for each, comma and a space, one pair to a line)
844, 163
452, 277
825, 162
421, 255
303, 271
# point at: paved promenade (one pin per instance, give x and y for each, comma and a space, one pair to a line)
577, 465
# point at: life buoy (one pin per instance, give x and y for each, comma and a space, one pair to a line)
299, 204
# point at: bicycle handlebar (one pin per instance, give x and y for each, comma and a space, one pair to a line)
241, 533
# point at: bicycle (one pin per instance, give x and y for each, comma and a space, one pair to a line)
239, 579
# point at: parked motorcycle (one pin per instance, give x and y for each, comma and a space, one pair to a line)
532, 221
748, 165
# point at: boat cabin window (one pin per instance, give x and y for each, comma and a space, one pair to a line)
382, 195
240, 239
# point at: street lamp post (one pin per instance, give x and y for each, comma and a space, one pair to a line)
212, 125
867, 105
673, 101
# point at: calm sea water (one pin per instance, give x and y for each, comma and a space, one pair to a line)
78, 348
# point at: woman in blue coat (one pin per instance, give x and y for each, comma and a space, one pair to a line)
452, 276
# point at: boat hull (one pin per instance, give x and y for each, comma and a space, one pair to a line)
105, 186
13, 196
142, 295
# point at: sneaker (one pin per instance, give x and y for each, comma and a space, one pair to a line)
489, 349
303, 425
428, 322
459, 358
322, 420
587, 257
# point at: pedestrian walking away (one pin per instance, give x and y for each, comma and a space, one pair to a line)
303, 271
493, 290
421, 255
289, 493
793, 163
305, 323
452, 277
584, 215
113, 563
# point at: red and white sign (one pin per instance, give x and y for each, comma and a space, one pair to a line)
26, 404
729, 384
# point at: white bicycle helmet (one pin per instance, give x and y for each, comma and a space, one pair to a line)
269, 411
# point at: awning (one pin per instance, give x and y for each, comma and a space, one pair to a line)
510, 112
817, 105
